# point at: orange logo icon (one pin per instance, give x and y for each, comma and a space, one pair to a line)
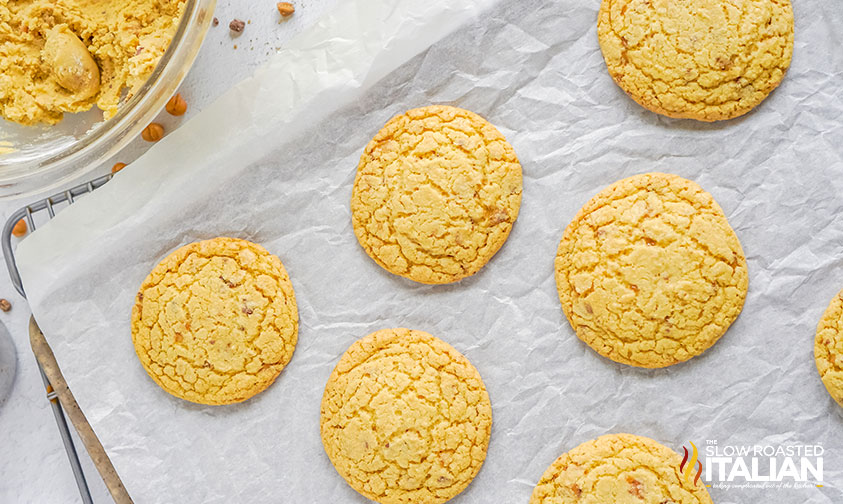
687, 466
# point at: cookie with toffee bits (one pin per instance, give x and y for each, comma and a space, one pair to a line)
649, 272
828, 348
436, 194
698, 59
406, 418
216, 321
619, 469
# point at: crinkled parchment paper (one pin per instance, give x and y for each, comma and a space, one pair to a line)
273, 161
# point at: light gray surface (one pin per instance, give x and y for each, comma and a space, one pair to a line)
776, 172
8, 363
33, 464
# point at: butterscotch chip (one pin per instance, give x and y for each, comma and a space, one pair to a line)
828, 348
19, 229
216, 321
649, 272
406, 418
697, 59
286, 9
176, 105
620, 468
153, 132
436, 194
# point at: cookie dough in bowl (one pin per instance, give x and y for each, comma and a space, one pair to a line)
406, 418
216, 321
436, 194
649, 272
67, 56
697, 59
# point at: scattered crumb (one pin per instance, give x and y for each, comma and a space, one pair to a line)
5, 305
216, 22
236, 26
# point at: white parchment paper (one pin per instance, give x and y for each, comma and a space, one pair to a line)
273, 161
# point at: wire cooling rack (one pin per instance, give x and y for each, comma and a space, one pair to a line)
36, 214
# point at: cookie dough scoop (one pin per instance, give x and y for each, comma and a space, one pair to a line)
71, 63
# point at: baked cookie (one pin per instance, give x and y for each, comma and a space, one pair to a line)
828, 348
697, 59
436, 194
649, 272
620, 469
216, 321
406, 418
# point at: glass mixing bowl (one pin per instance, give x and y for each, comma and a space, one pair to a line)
47, 156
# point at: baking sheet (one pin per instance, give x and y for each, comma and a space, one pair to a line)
273, 161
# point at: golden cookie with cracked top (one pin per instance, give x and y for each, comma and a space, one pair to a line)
697, 59
216, 321
406, 418
828, 348
436, 194
649, 272
619, 469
